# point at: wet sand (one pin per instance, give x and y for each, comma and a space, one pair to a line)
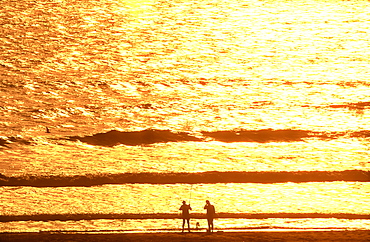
355, 236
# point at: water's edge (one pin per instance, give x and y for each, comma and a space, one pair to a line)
76, 217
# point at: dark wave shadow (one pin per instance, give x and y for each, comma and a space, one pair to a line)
351, 106
5, 142
361, 134
359, 105
144, 137
261, 136
152, 136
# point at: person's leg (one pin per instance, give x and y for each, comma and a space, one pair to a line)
183, 224
211, 224
189, 224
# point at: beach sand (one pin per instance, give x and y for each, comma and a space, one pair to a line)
353, 236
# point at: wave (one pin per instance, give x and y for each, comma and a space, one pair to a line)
187, 178
357, 105
75, 217
114, 137
351, 106
152, 136
6, 141
262, 136
285, 135
361, 134
148, 136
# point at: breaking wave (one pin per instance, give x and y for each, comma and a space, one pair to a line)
357, 105
149, 136
262, 136
6, 141
152, 136
189, 178
351, 106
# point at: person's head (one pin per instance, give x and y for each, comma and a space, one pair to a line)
183, 202
208, 202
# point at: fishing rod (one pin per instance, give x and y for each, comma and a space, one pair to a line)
184, 202
191, 190
191, 187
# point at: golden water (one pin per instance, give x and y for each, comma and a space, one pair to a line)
87, 67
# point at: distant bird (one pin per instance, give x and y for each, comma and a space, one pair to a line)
47, 130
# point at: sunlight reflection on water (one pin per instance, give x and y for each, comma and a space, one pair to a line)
311, 197
162, 225
86, 67
313, 154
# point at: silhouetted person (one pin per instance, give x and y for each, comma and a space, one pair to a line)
185, 215
211, 212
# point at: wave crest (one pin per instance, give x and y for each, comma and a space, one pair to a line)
262, 136
6, 141
186, 178
152, 136
144, 137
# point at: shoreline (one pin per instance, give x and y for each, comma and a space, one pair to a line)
75, 217
346, 235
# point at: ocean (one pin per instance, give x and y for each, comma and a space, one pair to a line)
113, 112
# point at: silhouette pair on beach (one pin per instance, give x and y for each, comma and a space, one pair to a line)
185, 208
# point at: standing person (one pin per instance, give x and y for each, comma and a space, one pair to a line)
210, 215
185, 215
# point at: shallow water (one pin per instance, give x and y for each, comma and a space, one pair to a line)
163, 225
72, 159
311, 197
234, 198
